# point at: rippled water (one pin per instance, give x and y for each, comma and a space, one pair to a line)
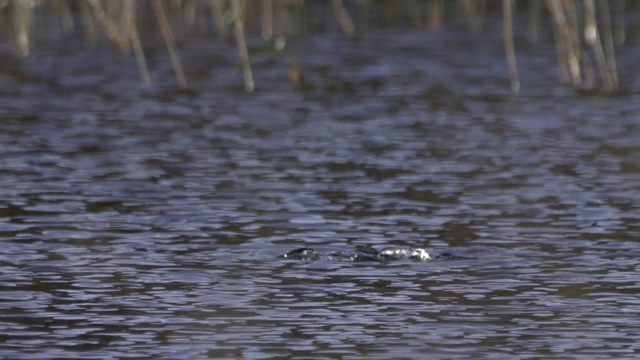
146, 223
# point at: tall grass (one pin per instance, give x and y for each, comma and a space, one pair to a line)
585, 31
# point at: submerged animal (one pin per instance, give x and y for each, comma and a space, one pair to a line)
362, 253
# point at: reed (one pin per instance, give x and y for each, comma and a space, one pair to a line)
585, 31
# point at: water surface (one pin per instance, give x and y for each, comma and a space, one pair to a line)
146, 222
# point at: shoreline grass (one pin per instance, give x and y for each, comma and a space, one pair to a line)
585, 32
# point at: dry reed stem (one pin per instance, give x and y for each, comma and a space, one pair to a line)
88, 23
592, 37
238, 32
436, 13
112, 31
22, 11
139, 54
169, 40
217, 13
576, 25
267, 19
599, 36
559, 42
509, 48
572, 31
609, 53
343, 18
566, 47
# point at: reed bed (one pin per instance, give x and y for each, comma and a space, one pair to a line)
585, 31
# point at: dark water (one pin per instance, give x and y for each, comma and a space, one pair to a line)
146, 223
